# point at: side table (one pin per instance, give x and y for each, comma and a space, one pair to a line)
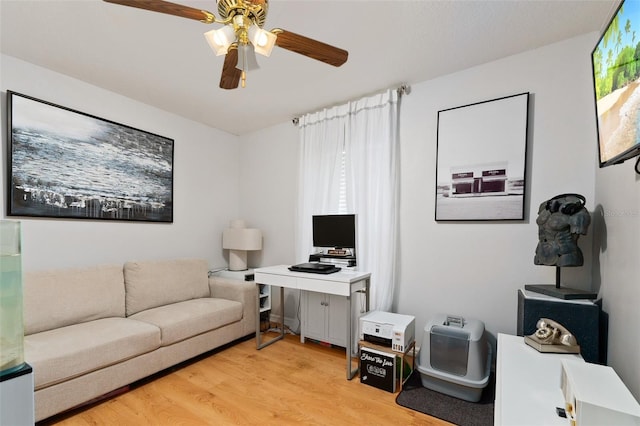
583, 318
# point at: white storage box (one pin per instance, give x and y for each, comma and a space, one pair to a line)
582, 385
455, 357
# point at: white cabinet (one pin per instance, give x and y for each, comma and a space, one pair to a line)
324, 317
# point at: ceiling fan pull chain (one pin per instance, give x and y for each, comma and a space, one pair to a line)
243, 76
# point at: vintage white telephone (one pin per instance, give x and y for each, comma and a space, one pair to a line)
552, 337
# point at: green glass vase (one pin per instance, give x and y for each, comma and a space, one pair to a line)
11, 317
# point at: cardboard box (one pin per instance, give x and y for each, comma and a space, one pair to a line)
378, 369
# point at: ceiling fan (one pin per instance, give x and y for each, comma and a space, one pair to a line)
242, 35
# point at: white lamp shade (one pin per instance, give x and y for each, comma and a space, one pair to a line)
219, 40
238, 239
242, 239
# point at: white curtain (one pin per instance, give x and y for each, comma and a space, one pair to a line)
322, 140
352, 150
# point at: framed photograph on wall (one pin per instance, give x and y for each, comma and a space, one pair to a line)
64, 163
481, 159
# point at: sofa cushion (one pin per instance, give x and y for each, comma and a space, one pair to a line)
150, 284
182, 320
67, 352
59, 298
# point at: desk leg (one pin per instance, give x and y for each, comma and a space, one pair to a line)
350, 372
367, 284
259, 344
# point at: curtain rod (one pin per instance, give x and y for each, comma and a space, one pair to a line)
403, 89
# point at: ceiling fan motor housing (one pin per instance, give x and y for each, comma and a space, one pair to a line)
257, 9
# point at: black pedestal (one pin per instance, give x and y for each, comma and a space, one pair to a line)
583, 318
561, 292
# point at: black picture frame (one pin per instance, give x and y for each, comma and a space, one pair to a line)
481, 160
64, 163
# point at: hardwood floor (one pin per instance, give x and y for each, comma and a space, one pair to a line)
285, 383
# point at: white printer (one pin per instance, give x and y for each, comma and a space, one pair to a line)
396, 331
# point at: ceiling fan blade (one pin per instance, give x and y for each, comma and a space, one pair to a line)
312, 48
168, 8
230, 77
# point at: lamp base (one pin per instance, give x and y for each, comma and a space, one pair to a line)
237, 260
561, 292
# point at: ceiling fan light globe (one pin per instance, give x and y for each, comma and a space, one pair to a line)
219, 40
262, 40
246, 59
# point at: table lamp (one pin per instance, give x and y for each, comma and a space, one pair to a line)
239, 239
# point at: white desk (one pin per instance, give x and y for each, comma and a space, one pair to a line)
527, 384
342, 283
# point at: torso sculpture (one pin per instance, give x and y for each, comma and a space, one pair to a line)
561, 220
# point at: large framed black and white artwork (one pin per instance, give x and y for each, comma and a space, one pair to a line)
481, 160
64, 163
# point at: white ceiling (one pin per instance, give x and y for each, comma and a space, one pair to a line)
164, 60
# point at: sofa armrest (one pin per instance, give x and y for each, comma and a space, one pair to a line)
245, 292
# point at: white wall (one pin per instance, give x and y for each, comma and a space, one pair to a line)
617, 266
475, 269
269, 186
206, 182
269, 166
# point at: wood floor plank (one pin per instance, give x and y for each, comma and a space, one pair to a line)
287, 383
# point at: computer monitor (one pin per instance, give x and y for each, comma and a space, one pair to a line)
334, 231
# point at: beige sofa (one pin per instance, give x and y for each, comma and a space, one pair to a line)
93, 330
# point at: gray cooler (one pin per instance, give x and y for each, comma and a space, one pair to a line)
455, 357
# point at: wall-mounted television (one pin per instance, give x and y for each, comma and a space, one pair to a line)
334, 231
616, 70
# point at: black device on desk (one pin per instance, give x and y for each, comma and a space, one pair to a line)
315, 268
347, 260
